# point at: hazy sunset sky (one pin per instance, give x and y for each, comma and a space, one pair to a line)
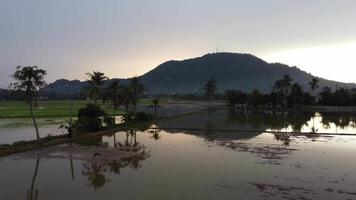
123, 38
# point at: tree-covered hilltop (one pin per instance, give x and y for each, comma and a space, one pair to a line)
243, 72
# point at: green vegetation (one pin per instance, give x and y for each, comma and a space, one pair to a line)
47, 108
30, 80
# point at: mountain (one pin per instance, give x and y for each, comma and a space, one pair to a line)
231, 71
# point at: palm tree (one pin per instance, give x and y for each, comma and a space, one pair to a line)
30, 80
125, 96
155, 102
210, 89
314, 85
96, 81
114, 91
136, 89
277, 88
296, 93
286, 84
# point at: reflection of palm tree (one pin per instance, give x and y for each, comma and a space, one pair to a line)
31, 194
154, 132
115, 166
209, 130
72, 168
284, 137
95, 176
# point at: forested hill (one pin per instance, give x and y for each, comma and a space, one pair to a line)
231, 71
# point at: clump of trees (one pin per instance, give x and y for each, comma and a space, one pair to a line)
288, 94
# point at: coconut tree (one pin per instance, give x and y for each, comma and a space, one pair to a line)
125, 96
155, 102
114, 92
210, 89
96, 82
136, 90
314, 84
286, 85
277, 88
296, 94
29, 80
282, 88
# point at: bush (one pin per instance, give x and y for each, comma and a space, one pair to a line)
138, 117
143, 117
91, 111
110, 121
89, 119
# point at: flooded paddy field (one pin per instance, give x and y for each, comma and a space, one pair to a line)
197, 156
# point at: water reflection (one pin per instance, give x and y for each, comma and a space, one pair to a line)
233, 164
154, 132
96, 169
33, 193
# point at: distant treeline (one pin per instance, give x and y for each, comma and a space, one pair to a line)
284, 93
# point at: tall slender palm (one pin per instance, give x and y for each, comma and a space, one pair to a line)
96, 81
286, 83
277, 88
29, 80
136, 89
314, 84
114, 91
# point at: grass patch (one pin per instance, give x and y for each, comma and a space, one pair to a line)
10, 109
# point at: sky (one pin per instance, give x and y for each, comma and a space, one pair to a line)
124, 38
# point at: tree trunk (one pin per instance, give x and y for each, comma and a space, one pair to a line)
70, 129
36, 102
34, 121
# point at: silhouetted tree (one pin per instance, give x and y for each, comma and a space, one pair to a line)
235, 97
314, 85
255, 98
136, 90
210, 88
30, 80
114, 92
282, 88
296, 95
155, 102
326, 96
96, 81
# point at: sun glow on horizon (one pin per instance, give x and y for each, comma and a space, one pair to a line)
335, 62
